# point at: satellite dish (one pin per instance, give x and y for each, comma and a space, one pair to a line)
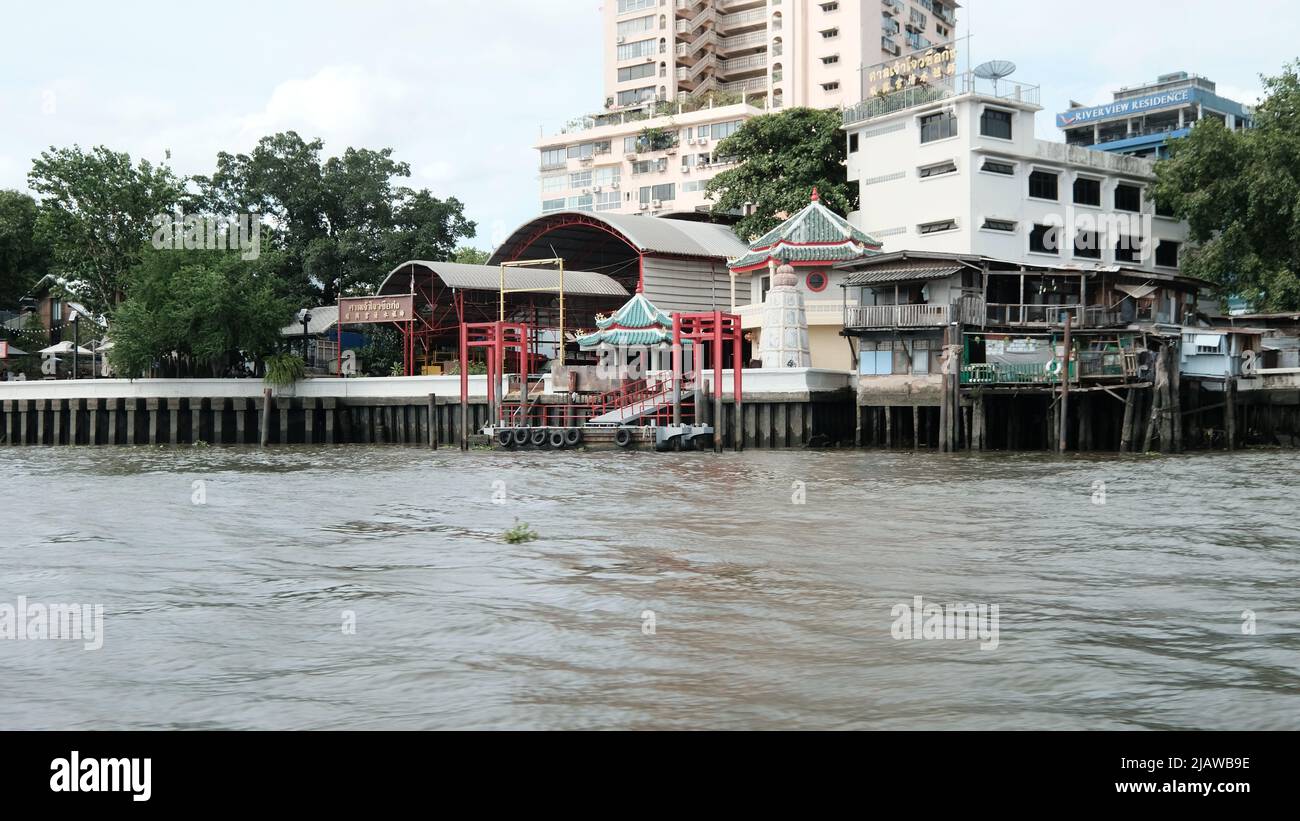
995, 70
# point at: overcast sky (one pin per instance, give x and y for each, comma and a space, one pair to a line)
462, 90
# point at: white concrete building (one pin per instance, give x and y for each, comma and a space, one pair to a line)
680, 75
962, 172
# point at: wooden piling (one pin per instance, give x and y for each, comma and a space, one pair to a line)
1126, 427
266, 417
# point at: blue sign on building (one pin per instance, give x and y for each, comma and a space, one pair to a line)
1126, 108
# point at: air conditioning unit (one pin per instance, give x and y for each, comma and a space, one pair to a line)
614, 186
657, 204
704, 140
686, 169
586, 191
622, 40
596, 190
644, 206
631, 156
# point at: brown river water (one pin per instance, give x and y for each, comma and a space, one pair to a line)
372, 588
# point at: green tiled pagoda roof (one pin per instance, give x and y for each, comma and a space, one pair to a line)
815, 234
638, 322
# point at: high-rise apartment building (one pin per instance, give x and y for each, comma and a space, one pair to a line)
680, 75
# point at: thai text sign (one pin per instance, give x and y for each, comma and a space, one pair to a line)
364, 310
930, 67
1124, 108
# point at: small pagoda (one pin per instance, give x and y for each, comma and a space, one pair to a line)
815, 238
638, 322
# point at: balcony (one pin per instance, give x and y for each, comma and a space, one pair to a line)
897, 316
1052, 316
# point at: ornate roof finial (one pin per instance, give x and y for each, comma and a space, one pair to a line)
815, 195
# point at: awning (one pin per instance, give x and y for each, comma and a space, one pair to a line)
909, 273
1208, 340
1137, 291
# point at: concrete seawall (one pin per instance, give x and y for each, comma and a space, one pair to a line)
782, 408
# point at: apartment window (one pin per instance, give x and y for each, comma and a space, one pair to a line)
582, 179
607, 201
1087, 192
551, 206
694, 186
938, 169
638, 72
639, 49
636, 95
830, 34
580, 203
584, 151
1163, 210
631, 145
645, 167
938, 126
1005, 226
658, 192
853, 143
1086, 245
553, 183
1128, 198
996, 167
1127, 249
608, 175
723, 130
995, 123
936, 227
1167, 254
1042, 185
624, 6
832, 86
552, 157
831, 60
1043, 239
628, 28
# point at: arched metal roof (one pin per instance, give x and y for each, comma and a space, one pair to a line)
576, 234
488, 278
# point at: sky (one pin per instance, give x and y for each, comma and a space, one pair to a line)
462, 90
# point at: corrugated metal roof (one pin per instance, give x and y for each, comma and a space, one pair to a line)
650, 235
668, 236
322, 319
488, 278
908, 274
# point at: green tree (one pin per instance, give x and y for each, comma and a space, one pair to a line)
468, 255
24, 255
197, 313
343, 223
96, 214
1240, 194
783, 157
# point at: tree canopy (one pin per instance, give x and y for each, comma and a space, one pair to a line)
783, 157
343, 222
198, 313
1240, 194
96, 212
24, 255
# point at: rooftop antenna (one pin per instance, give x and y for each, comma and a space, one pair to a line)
995, 70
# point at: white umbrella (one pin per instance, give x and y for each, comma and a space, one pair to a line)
10, 352
106, 345
65, 347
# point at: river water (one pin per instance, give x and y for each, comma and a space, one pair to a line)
372, 588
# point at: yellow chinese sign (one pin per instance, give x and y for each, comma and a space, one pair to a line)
369, 309
929, 67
